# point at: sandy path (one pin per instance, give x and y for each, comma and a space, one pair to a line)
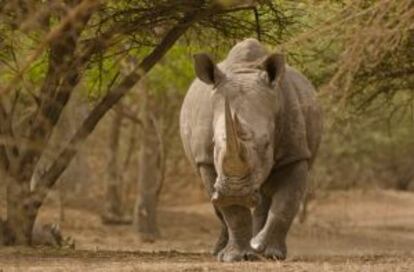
346, 231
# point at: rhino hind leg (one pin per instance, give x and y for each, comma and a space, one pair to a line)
286, 186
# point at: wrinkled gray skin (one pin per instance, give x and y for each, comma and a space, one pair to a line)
251, 128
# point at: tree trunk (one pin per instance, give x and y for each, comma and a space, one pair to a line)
113, 196
112, 97
149, 178
113, 213
23, 204
21, 213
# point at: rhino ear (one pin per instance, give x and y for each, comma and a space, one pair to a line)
274, 65
206, 70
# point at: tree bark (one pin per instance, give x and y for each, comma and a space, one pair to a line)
62, 76
149, 177
21, 212
113, 213
113, 180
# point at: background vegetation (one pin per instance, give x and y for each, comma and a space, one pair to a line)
67, 66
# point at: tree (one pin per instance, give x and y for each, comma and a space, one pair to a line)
113, 213
151, 171
64, 42
377, 63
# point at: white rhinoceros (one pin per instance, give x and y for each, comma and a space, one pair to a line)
251, 127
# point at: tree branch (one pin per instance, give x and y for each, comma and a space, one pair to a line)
49, 178
119, 109
51, 36
62, 76
4, 160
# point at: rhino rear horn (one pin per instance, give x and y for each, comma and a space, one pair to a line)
274, 65
206, 70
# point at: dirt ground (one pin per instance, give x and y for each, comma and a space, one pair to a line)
345, 231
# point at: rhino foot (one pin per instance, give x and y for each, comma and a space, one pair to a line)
277, 251
220, 245
221, 242
236, 254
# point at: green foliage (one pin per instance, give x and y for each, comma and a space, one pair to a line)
175, 72
313, 54
313, 34
98, 78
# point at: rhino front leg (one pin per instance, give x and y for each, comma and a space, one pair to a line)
208, 175
223, 236
260, 213
239, 225
287, 186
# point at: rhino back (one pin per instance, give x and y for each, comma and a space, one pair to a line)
300, 118
195, 124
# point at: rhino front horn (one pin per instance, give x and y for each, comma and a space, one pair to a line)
234, 163
232, 141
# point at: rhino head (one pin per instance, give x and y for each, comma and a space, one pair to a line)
245, 107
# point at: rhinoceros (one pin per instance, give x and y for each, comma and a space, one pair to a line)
251, 127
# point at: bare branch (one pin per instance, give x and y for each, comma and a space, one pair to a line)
52, 35
49, 178
124, 112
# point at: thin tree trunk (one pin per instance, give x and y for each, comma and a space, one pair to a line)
149, 177
113, 213
62, 214
113, 196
